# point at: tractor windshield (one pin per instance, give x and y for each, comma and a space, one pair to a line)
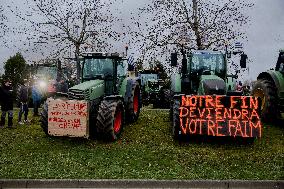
97, 68
46, 72
208, 63
154, 85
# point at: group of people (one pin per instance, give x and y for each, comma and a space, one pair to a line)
7, 100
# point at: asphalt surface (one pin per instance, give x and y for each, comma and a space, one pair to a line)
194, 184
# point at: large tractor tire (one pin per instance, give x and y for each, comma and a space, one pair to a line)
44, 118
110, 120
134, 104
266, 90
175, 120
166, 98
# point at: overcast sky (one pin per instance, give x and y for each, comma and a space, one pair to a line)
265, 33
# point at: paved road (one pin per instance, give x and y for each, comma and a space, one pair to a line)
194, 184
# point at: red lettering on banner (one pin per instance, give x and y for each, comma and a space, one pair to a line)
209, 101
218, 113
183, 125
201, 113
233, 101
218, 102
219, 127
257, 126
253, 103
254, 114
238, 129
211, 126
191, 112
194, 121
241, 118
209, 113
244, 105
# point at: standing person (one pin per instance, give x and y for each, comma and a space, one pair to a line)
36, 96
23, 97
6, 95
240, 86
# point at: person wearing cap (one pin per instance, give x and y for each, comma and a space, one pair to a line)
23, 97
6, 96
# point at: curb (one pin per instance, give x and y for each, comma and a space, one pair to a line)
105, 183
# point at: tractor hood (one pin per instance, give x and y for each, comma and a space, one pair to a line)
211, 84
88, 90
87, 85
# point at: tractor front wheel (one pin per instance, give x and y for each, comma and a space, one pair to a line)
134, 104
110, 120
266, 91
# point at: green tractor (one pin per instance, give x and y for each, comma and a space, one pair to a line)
196, 89
112, 96
270, 88
50, 78
153, 89
147, 77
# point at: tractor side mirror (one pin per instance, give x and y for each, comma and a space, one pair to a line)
184, 65
243, 61
58, 64
174, 59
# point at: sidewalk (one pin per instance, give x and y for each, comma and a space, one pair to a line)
226, 184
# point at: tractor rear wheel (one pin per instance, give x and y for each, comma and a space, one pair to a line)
110, 119
266, 90
175, 120
44, 118
134, 104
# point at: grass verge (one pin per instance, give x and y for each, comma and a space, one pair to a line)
146, 150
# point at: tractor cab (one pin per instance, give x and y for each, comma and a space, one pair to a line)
280, 62
50, 78
111, 68
155, 85
204, 67
202, 72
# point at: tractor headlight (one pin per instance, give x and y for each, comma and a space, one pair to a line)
42, 84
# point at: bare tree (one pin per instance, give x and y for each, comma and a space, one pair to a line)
3, 18
67, 26
198, 24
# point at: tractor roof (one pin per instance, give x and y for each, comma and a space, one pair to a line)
148, 72
206, 52
45, 65
101, 55
153, 80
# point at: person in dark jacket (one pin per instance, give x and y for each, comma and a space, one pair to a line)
23, 97
6, 96
36, 96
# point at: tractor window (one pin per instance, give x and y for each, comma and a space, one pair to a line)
208, 62
153, 85
280, 63
46, 72
122, 68
95, 68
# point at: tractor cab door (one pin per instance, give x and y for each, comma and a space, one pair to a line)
109, 77
122, 67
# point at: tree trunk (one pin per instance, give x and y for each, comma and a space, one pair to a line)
78, 65
196, 25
